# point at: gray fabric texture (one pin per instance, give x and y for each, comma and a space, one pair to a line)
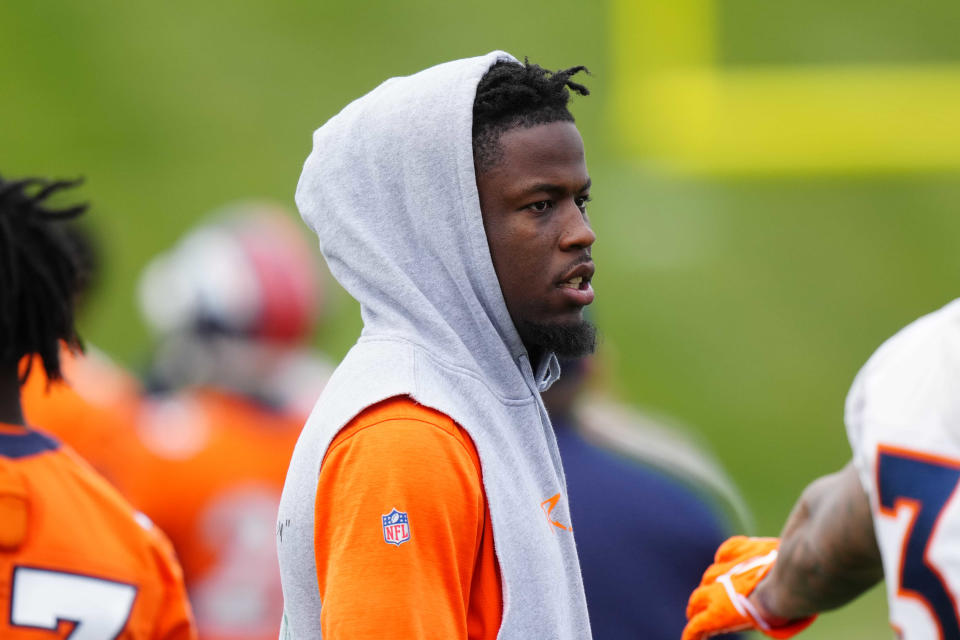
390, 191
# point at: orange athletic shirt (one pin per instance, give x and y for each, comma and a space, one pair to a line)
73, 552
404, 544
222, 459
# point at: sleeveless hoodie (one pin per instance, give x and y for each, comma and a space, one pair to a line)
390, 191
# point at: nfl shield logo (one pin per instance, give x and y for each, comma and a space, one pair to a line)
396, 527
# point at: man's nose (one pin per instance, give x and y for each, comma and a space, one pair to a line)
577, 233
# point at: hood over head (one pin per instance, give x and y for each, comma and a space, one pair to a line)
391, 193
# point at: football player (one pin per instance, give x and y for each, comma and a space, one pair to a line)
229, 388
892, 511
76, 560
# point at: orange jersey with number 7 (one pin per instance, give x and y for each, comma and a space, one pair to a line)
222, 458
76, 561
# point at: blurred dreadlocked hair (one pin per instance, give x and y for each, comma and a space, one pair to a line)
41, 272
512, 95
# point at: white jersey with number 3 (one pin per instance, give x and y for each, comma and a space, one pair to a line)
903, 421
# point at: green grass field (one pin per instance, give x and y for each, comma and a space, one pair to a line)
743, 306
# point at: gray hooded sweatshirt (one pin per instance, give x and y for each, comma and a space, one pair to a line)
391, 193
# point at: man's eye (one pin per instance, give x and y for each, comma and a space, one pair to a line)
582, 201
539, 207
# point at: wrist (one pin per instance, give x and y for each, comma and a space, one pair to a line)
764, 603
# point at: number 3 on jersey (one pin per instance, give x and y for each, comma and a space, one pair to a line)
924, 484
41, 599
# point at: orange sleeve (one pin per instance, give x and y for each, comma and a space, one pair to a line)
415, 587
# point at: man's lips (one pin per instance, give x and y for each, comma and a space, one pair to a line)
575, 284
582, 270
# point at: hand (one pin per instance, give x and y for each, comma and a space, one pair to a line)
721, 603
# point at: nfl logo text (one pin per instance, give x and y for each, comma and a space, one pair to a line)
396, 527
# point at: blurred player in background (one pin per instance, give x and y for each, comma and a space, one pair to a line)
228, 390
75, 559
649, 507
204, 444
892, 511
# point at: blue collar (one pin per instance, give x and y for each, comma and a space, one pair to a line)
28, 443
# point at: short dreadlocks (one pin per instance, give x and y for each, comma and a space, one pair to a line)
518, 95
41, 272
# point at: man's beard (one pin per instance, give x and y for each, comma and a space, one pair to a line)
565, 340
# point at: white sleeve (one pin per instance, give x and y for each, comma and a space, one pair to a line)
853, 417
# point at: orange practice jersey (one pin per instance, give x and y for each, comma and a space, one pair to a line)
75, 559
209, 469
404, 544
